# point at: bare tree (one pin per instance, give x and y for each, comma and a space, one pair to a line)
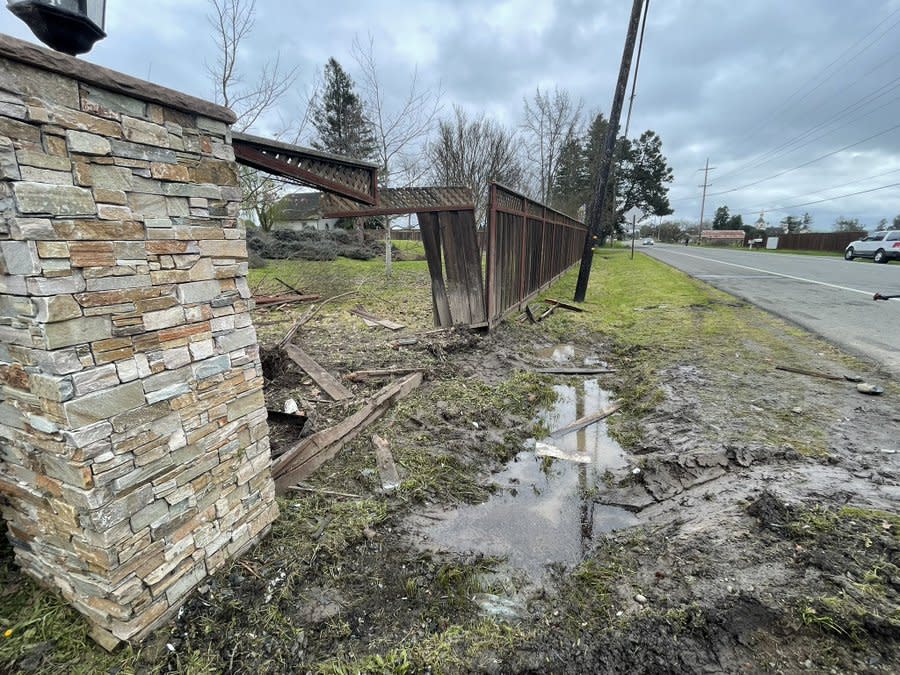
552, 120
473, 152
250, 97
401, 125
232, 21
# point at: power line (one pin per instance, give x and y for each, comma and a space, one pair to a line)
812, 161
786, 105
822, 191
784, 148
828, 199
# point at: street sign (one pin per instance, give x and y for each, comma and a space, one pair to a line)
634, 213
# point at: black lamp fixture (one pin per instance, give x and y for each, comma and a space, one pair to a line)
69, 26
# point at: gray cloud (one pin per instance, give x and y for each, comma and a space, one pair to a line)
718, 78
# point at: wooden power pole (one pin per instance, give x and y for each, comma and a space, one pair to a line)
598, 200
703, 199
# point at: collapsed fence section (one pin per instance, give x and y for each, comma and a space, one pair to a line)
529, 245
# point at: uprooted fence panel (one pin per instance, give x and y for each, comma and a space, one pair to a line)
529, 245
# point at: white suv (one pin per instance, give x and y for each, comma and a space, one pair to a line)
880, 247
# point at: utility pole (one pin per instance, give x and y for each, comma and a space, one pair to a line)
599, 198
703, 200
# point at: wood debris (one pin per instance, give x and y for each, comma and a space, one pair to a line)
372, 320
587, 370
585, 421
363, 375
329, 384
564, 305
547, 450
284, 299
303, 458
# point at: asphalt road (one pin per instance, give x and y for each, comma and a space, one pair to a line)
828, 296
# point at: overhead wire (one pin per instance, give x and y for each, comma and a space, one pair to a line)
804, 164
795, 143
821, 201
822, 74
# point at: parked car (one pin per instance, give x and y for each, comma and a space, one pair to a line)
647, 242
880, 247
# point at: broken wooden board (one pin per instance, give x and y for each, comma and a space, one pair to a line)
390, 479
530, 315
322, 377
287, 299
372, 320
824, 376
548, 450
363, 375
564, 305
574, 371
303, 458
585, 421
547, 312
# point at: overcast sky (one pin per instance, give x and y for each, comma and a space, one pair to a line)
759, 87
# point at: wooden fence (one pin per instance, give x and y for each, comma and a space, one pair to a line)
818, 241
416, 235
529, 246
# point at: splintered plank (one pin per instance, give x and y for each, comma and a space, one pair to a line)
363, 375
263, 300
564, 305
585, 421
390, 479
548, 450
574, 371
431, 239
322, 377
372, 320
303, 458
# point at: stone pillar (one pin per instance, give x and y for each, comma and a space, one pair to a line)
134, 455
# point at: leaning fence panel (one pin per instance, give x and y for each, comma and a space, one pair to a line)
528, 246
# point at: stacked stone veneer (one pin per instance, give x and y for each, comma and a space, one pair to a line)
135, 457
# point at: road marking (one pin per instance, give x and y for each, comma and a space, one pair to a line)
732, 276
776, 274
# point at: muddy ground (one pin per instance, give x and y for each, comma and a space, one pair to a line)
762, 534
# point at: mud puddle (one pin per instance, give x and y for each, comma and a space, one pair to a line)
545, 510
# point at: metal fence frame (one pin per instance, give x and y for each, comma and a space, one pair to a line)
529, 246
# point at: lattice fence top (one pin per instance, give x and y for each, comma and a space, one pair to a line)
355, 180
395, 201
510, 201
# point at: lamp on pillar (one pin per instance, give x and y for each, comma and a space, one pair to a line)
69, 26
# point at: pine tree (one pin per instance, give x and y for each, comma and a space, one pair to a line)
339, 117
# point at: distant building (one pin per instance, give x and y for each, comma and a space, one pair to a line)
302, 211
722, 237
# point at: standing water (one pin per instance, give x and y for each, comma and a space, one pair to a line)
545, 511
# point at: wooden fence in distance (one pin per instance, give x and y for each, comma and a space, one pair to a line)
818, 241
529, 246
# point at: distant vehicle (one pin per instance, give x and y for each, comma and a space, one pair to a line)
647, 242
880, 247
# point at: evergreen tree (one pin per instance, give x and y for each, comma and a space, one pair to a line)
720, 220
339, 118
573, 179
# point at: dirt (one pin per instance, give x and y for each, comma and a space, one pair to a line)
719, 574
737, 552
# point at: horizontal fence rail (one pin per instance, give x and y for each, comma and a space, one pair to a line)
529, 245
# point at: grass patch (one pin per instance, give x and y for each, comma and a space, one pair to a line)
654, 317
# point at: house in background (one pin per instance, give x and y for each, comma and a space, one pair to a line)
722, 237
302, 211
